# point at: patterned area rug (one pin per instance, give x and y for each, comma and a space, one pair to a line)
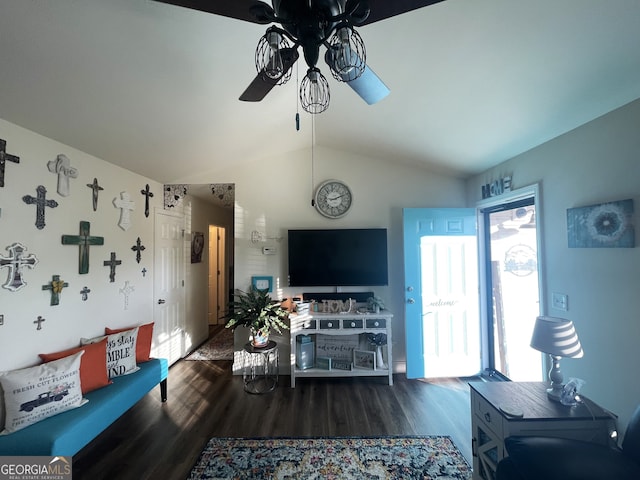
219, 347
348, 458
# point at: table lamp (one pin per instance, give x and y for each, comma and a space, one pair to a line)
556, 337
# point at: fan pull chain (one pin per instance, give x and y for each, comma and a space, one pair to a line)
297, 102
313, 141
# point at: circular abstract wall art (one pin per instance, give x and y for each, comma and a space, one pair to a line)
606, 223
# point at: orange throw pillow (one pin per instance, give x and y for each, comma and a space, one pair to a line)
93, 365
143, 345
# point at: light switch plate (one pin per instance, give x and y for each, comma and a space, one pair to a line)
560, 301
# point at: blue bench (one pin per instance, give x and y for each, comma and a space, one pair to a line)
67, 433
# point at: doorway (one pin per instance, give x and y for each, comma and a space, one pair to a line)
510, 246
217, 279
442, 326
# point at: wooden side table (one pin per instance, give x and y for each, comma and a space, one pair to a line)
492, 406
260, 368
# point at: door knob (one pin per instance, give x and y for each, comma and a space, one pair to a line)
161, 301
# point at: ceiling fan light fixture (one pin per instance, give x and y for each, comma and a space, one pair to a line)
314, 92
269, 61
348, 56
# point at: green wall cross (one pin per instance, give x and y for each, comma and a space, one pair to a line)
83, 240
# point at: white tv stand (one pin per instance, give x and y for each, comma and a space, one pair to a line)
341, 324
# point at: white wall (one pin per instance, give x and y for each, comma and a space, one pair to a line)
275, 194
598, 162
73, 318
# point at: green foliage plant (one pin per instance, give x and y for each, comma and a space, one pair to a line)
256, 310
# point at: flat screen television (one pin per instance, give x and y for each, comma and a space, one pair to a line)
338, 257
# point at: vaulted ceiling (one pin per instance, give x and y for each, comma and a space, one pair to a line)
154, 87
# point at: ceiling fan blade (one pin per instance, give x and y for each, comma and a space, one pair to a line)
369, 86
382, 9
262, 84
252, 11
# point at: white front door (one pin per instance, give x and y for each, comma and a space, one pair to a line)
441, 293
168, 280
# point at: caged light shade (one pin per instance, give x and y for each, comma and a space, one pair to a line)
346, 54
314, 92
269, 60
558, 338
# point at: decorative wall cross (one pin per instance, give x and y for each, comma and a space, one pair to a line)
126, 206
39, 322
112, 263
4, 158
147, 194
41, 202
138, 248
56, 285
83, 240
62, 166
144, 272
96, 189
85, 293
126, 290
15, 262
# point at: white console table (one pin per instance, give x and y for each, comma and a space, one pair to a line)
341, 324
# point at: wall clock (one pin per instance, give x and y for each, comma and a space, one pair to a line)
333, 199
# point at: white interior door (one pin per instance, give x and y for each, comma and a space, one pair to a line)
169, 295
441, 288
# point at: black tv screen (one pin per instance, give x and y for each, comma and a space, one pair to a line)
336, 258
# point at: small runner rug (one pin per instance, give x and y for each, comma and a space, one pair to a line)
348, 458
219, 347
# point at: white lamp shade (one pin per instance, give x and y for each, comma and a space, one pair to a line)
556, 336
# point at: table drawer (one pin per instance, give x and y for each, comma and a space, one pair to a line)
352, 323
488, 415
329, 324
309, 325
376, 323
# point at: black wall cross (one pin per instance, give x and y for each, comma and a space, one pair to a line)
138, 248
4, 157
39, 322
96, 188
146, 194
56, 285
83, 240
112, 263
41, 202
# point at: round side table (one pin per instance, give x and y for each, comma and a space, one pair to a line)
260, 368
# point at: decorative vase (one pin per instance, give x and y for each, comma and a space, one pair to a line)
379, 360
258, 340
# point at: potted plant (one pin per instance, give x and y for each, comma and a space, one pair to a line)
256, 310
375, 304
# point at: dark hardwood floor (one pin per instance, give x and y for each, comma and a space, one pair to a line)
162, 441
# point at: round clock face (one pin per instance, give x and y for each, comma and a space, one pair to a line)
333, 199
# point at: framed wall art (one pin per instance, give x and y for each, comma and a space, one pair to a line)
197, 247
607, 225
262, 283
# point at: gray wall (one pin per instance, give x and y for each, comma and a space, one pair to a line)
598, 162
